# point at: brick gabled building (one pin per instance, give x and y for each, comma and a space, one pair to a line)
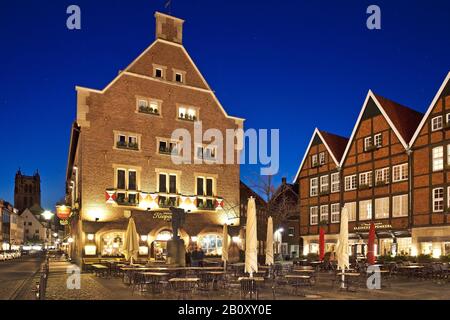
318, 178
121, 150
431, 177
375, 172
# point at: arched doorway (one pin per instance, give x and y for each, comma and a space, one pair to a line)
158, 248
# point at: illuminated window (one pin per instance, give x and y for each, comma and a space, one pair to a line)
211, 244
351, 206
187, 113
324, 184
149, 106
382, 208
314, 160
112, 244
324, 213
378, 140
314, 216
335, 183
400, 206
335, 213
322, 158
438, 200
382, 176
313, 187
365, 179
438, 158
365, 210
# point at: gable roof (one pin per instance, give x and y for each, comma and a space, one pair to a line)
335, 146
127, 72
444, 87
402, 120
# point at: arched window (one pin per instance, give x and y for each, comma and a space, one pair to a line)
112, 244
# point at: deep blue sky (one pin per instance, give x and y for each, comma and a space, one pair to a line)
292, 65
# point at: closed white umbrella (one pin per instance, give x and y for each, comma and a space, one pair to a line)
131, 243
269, 242
251, 242
342, 245
225, 246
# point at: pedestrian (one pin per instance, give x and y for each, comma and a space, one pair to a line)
187, 257
194, 257
201, 256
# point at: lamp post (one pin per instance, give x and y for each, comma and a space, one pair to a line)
48, 215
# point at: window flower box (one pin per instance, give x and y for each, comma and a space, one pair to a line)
324, 193
364, 187
187, 117
381, 183
371, 148
148, 110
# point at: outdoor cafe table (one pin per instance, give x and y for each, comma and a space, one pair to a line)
216, 277
297, 281
155, 279
348, 277
411, 270
253, 288
128, 272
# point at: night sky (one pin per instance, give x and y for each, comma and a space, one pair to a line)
292, 65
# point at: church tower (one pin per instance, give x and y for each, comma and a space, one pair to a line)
27, 191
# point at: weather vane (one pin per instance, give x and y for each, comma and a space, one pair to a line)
168, 6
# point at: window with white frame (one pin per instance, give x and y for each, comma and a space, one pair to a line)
350, 182
448, 198
335, 183
400, 172
322, 158
314, 160
382, 176
351, 206
436, 123
314, 187
178, 76
365, 210
382, 208
324, 213
159, 72
368, 143
314, 216
187, 113
448, 154
447, 118
438, 158
335, 213
365, 179
378, 138
400, 206
324, 184
438, 200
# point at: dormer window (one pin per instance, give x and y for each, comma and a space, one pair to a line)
159, 71
187, 113
179, 77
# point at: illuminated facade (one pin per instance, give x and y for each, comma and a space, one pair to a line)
121, 155
393, 171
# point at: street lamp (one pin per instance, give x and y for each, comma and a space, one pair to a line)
47, 215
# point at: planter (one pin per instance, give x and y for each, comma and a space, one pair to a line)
364, 187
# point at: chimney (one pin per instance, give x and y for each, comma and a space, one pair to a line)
283, 180
169, 28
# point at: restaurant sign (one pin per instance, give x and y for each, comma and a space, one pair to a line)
378, 226
166, 216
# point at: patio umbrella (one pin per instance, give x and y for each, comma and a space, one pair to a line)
269, 242
371, 245
251, 250
225, 246
131, 242
321, 243
342, 245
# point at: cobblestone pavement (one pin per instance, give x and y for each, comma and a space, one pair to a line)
16, 277
96, 288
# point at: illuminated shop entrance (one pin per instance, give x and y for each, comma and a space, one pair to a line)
158, 250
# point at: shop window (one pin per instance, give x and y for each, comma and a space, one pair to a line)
211, 244
112, 244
